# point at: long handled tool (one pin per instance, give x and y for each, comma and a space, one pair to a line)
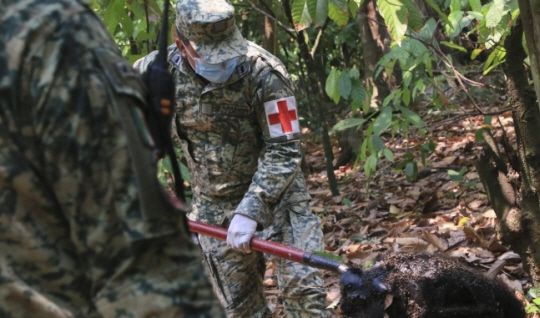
272, 248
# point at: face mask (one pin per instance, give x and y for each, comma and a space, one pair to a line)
215, 73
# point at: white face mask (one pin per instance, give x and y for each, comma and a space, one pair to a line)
215, 73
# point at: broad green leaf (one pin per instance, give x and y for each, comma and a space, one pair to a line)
455, 5
383, 121
345, 85
454, 46
354, 73
300, 14
354, 5
406, 96
419, 87
114, 9
495, 13
370, 165
416, 18
337, 14
348, 123
396, 16
476, 15
426, 33
412, 117
388, 154
331, 88
410, 169
358, 93
341, 4
476, 5
458, 22
318, 10
378, 143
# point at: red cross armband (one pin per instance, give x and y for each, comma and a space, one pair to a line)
282, 118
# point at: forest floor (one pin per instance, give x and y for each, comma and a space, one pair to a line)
432, 214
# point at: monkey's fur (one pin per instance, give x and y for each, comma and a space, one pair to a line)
424, 286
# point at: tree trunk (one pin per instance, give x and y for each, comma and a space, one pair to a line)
268, 27
530, 13
514, 189
375, 44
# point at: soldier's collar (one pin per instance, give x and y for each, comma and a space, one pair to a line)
242, 69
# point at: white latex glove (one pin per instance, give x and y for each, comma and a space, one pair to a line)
240, 232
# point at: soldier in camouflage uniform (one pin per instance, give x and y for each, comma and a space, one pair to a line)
78, 237
238, 126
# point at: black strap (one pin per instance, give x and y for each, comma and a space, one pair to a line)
161, 105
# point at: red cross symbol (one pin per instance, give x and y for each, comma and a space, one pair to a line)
284, 116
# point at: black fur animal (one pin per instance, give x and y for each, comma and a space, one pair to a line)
424, 286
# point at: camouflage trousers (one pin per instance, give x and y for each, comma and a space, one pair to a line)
238, 277
161, 280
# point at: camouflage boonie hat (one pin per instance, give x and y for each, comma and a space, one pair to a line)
210, 27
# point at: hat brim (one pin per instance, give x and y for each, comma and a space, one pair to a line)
220, 51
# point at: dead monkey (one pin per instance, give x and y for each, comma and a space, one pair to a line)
406, 285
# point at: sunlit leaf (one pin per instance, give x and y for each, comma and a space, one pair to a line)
495, 13
332, 88
494, 59
300, 14
339, 15
383, 121
476, 5
396, 16
454, 46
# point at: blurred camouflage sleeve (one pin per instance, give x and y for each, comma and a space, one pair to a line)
82, 139
142, 64
280, 161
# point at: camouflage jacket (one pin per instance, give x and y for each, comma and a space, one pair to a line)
230, 142
70, 169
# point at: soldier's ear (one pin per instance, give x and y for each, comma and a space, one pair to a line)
182, 48
179, 45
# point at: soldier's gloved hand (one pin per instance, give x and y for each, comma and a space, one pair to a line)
240, 232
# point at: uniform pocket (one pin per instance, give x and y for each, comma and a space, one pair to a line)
218, 278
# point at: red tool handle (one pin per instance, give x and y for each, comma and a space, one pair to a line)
276, 249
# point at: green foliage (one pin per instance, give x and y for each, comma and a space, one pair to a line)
396, 16
305, 12
416, 54
301, 15
534, 295
134, 25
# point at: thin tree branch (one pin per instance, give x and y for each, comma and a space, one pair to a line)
318, 39
291, 32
